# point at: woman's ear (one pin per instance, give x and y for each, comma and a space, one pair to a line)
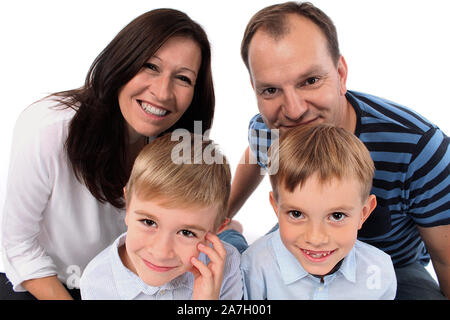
369, 206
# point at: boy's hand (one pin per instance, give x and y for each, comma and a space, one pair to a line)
208, 279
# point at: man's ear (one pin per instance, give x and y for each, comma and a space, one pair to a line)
273, 202
343, 72
369, 206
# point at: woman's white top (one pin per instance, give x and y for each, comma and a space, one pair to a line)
52, 225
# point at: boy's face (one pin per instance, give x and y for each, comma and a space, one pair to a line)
160, 241
319, 221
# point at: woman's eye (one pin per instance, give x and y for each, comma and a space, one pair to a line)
185, 79
294, 214
148, 222
337, 216
151, 66
188, 234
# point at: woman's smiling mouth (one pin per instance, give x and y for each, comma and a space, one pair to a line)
152, 110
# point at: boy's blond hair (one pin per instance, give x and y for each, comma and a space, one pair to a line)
194, 183
329, 151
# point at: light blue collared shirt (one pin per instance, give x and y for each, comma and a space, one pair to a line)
272, 272
106, 278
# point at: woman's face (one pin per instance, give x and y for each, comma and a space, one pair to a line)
158, 95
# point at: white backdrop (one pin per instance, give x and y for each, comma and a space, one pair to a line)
397, 49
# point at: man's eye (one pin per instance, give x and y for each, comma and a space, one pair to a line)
187, 233
294, 214
269, 91
337, 216
311, 81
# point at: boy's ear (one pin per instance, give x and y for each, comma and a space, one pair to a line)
273, 202
223, 225
370, 205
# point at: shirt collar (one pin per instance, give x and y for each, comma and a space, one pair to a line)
291, 270
129, 285
348, 267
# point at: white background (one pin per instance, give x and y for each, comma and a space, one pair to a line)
397, 49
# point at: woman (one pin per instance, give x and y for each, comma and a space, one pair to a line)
72, 151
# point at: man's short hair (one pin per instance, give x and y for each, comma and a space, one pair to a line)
194, 183
325, 150
272, 20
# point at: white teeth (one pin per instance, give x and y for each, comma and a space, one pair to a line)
153, 110
317, 255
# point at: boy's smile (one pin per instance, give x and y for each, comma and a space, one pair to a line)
319, 221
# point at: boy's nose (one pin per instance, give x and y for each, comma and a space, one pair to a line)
161, 247
316, 235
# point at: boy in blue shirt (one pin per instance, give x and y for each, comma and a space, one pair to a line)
321, 196
174, 207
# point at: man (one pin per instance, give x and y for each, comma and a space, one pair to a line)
299, 77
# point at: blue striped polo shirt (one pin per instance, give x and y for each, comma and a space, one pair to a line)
411, 182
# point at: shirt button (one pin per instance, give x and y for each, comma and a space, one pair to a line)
320, 288
162, 292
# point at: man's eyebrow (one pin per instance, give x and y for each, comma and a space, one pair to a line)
312, 71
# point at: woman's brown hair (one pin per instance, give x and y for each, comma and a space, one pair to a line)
97, 142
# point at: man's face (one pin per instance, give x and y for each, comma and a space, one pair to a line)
295, 79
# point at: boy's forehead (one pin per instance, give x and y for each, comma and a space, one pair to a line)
350, 182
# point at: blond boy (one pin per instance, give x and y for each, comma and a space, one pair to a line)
170, 250
321, 196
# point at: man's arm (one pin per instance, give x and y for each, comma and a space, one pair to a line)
246, 178
437, 241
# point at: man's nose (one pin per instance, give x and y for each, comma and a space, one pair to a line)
294, 106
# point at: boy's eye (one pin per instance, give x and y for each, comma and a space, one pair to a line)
187, 233
337, 216
294, 214
148, 222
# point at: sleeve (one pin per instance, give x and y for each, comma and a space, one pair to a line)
232, 286
428, 181
28, 189
259, 140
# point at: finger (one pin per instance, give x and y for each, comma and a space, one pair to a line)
217, 244
203, 270
212, 254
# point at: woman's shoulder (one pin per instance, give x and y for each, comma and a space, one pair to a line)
45, 112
